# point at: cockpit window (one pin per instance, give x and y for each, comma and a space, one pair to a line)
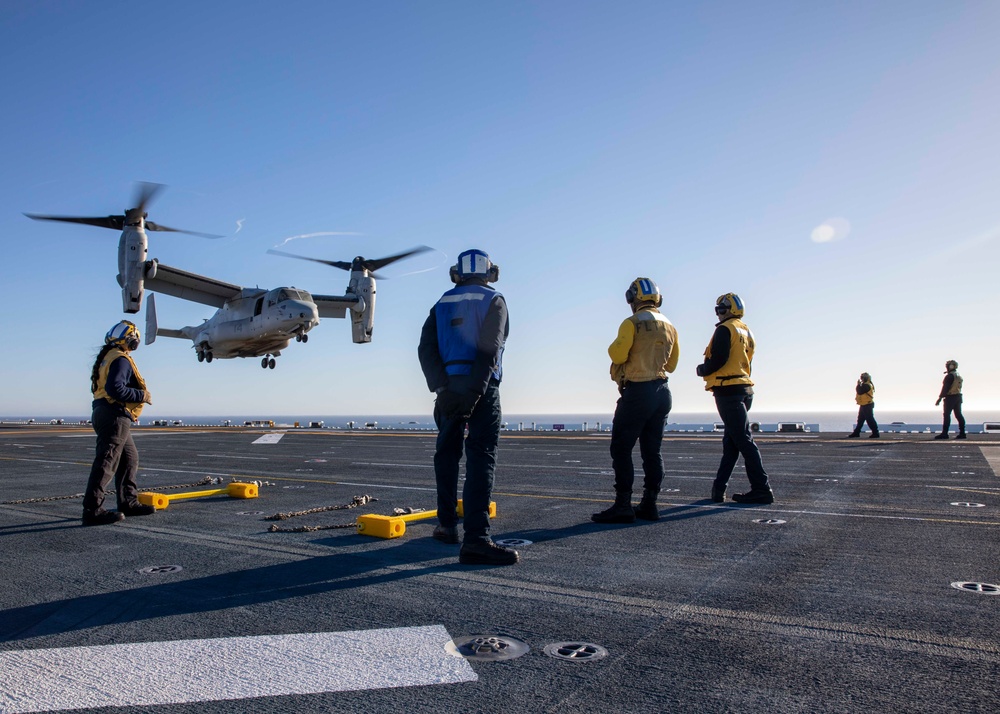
291, 294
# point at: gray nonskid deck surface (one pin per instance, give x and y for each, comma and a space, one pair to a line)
843, 602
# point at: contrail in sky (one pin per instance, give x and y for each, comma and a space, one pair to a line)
317, 235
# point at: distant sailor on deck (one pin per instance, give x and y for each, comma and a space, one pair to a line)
461, 352
951, 393
119, 396
642, 355
726, 371
865, 397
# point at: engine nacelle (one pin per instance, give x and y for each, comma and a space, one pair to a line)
363, 322
131, 258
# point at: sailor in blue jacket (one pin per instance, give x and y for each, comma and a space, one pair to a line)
461, 354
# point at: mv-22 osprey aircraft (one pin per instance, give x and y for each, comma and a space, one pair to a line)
249, 322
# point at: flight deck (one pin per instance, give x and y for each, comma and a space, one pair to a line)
871, 584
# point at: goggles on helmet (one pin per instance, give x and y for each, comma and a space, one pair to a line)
125, 334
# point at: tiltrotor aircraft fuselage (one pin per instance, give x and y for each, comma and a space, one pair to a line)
248, 322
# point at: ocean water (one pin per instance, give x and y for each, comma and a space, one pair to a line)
827, 421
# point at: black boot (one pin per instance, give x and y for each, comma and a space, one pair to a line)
874, 435
961, 435
620, 512
136, 509
855, 435
943, 435
718, 493
646, 510
100, 517
755, 495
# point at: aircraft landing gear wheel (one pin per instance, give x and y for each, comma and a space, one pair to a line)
208, 356
271, 363
201, 356
305, 338
263, 363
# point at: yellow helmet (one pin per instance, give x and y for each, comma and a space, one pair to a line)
124, 334
643, 290
729, 305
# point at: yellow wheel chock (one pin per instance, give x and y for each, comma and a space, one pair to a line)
395, 526
234, 490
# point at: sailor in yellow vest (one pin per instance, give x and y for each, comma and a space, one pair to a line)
951, 393
642, 355
119, 396
726, 371
865, 397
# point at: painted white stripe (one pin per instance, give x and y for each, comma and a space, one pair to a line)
273, 438
184, 671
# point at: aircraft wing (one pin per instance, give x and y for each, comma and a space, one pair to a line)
335, 305
179, 283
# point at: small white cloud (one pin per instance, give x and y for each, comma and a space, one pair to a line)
239, 224
830, 230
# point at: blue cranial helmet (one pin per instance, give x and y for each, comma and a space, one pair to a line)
474, 263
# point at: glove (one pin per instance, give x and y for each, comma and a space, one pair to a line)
698, 370
457, 405
147, 398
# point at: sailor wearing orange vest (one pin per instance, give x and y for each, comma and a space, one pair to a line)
119, 396
726, 371
865, 397
642, 355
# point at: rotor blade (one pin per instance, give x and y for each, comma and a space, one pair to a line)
378, 263
115, 222
333, 263
145, 192
150, 226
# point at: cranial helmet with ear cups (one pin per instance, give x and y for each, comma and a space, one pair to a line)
643, 290
124, 334
729, 305
474, 263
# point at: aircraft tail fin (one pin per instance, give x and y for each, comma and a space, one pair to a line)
150, 321
153, 329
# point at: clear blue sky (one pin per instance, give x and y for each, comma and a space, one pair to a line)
835, 163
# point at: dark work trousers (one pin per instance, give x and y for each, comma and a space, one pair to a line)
116, 457
953, 403
737, 440
866, 415
640, 416
480, 464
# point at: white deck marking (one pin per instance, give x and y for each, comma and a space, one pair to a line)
992, 458
185, 671
270, 438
